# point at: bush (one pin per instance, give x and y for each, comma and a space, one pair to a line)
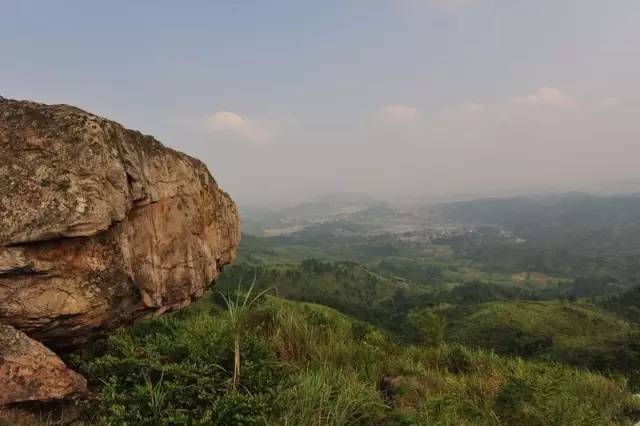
428, 327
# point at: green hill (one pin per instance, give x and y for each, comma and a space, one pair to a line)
346, 286
576, 333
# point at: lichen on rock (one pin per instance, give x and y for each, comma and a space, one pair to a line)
101, 225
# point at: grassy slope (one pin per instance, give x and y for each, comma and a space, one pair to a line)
576, 333
306, 364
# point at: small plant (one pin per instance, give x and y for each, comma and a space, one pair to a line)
237, 311
157, 396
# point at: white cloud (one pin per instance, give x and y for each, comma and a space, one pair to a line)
230, 123
397, 114
548, 96
610, 102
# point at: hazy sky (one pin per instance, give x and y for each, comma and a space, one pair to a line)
289, 98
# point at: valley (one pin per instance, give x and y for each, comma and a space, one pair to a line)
446, 314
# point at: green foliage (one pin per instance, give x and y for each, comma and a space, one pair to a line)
627, 305
305, 364
425, 272
327, 396
428, 325
346, 286
575, 333
519, 399
473, 292
237, 314
177, 370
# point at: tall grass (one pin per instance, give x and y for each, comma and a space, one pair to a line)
157, 397
305, 364
326, 396
237, 311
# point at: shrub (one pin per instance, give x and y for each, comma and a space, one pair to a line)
428, 326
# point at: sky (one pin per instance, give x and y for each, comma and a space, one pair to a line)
285, 100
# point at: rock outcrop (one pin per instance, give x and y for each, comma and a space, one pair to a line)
31, 372
100, 225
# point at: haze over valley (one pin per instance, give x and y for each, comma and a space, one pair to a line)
325, 213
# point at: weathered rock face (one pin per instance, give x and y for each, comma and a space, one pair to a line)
31, 372
100, 225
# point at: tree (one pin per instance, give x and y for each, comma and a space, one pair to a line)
428, 325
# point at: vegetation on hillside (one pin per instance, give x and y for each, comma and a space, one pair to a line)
524, 319
573, 333
304, 364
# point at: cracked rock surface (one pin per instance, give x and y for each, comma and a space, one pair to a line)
31, 372
100, 225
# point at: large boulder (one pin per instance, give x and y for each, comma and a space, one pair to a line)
101, 225
31, 372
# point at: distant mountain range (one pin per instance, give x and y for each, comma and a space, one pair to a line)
535, 212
